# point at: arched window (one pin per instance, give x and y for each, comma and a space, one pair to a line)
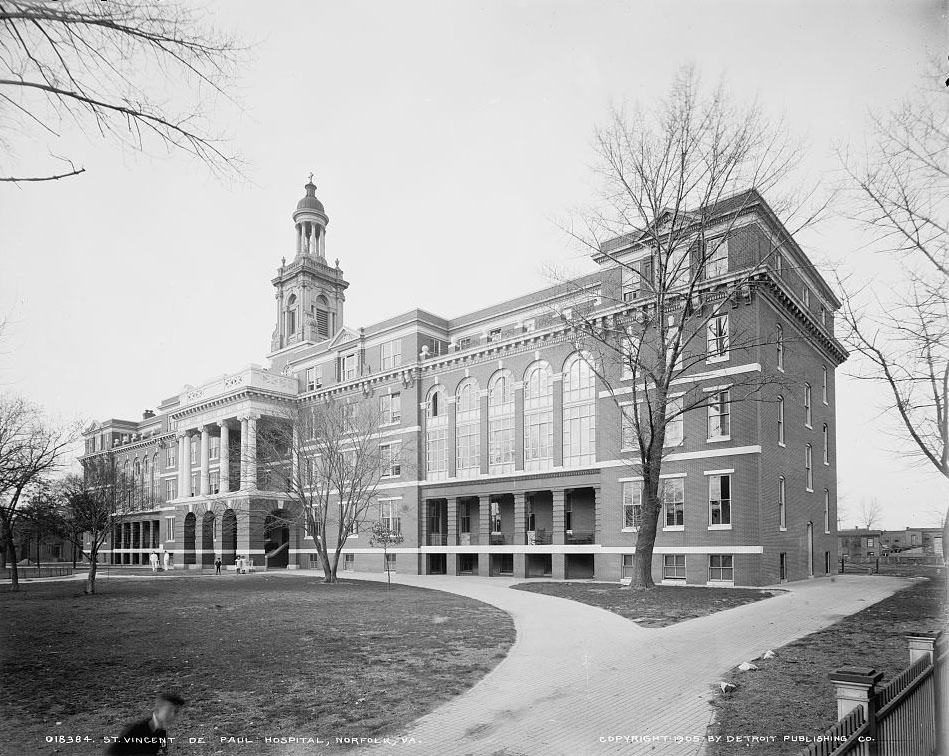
826, 436
436, 435
807, 405
780, 419
155, 480
501, 423
321, 313
579, 412
468, 428
779, 347
292, 315
826, 510
809, 466
782, 504
538, 417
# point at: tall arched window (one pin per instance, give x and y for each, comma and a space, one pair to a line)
501, 423
321, 310
782, 504
292, 315
436, 435
826, 436
156, 481
579, 412
538, 417
468, 428
780, 419
809, 467
779, 347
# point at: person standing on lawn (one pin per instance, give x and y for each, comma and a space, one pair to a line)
217, 566
149, 737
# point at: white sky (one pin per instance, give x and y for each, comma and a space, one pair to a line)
445, 139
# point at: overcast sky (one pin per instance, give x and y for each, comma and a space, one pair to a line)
446, 139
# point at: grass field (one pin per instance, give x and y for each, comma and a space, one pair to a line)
664, 605
791, 695
255, 656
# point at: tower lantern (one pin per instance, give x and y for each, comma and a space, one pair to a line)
310, 221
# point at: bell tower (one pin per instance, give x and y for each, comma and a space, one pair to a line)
309, 293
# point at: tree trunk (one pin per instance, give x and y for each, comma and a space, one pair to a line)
11, 556
91, 577
646, 539
329, 576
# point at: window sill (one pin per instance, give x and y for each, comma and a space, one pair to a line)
673, 528
721, 583
718, 439
673, 446
630, 530
780, 369
808, 426
782, 444
389, 425
713, 360
672, 581
809, 490
783, 530
720, 527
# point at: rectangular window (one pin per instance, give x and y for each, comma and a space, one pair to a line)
673, 502
171, 456
673, 567
719, 411
195, 482
214, 482
349, 367
530, 326
392, 354
494, 334
391, 407
630, 284
463, 343
464, 518
195, 448
388, 515
719, 499
389, 458
675, 423
349, 562
721, 568
171, 490
632, 504
390, 562
629, 356
869, 543
716, 257
627, 573
717, 339
170, 528
214, 447
314, 378
627, 429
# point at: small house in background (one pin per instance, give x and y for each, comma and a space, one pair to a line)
860, 543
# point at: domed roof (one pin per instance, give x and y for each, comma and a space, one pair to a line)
310, 202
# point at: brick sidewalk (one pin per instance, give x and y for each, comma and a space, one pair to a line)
577, 675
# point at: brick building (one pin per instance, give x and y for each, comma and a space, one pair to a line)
519, 461
861, 543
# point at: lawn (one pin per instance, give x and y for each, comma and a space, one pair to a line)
255, 656
791, 695
663, 605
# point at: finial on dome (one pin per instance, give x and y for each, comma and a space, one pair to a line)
311, 177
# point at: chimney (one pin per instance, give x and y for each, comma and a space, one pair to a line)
148, 415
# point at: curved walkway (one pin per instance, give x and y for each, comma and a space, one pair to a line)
578, 675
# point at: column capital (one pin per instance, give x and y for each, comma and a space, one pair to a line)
223, 424
202, 429
180, 434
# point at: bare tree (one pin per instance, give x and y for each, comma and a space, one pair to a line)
870, 513
30, 448
900, 325
94, 504
383, 535
114, 69
330, 460
677, 182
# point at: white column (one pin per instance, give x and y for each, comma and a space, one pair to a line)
244, 433
225, 458
185, 489
204, 487
180, 436
299, 228
252, 452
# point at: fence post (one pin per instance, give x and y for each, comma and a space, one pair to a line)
856, 687
921, 644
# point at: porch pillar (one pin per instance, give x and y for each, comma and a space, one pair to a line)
557, 388
224, 458
484, 534
252, 451
244, 424
559, 498
597, 515
452, 518
185, 463
520, 518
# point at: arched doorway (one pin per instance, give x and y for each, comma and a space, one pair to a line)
229, 537
207, 540
190, 522
276, 540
